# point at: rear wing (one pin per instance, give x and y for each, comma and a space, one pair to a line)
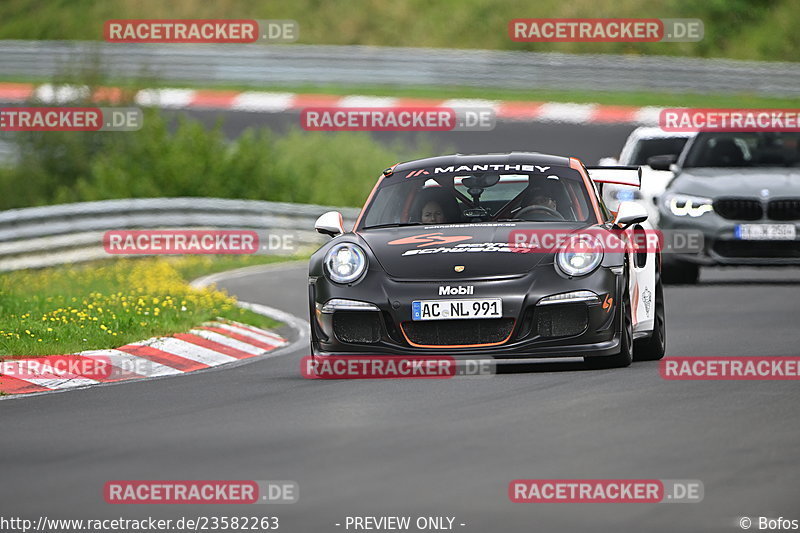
619, 175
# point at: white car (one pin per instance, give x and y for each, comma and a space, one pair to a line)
643, 144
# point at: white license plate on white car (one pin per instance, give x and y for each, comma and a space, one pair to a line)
765, 232
450, 309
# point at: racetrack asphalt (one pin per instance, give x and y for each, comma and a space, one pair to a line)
440, 447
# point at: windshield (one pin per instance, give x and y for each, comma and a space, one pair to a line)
647, 148
559, 195
744, 150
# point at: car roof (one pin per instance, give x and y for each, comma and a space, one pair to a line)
530, 158
651, 132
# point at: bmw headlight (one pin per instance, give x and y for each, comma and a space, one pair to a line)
345, 263
580, 255
682, 205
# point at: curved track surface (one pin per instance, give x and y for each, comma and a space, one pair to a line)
431, 447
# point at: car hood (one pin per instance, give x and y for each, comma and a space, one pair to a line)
752, 182
428, 252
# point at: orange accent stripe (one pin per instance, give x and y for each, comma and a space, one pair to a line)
315, 100
113, 95
16, 91
415, 345
11, 385
214, 99
518, 110
418, 102
613, 114
577, 165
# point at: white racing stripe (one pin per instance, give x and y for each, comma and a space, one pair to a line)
227, 341
458, 103
60, 383
648, 116
191, 351
263, 101
570, 113
131, 363
247, 333
274, 336
44, 373
170, 98
366, 101
60, 94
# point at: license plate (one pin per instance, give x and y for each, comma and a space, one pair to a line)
450, 309
765, 232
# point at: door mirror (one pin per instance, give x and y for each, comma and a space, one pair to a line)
661, 162
630, 213
330, 223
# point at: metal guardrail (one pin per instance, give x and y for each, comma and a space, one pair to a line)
296, 64
44, 236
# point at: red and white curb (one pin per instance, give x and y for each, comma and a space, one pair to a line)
278, 102
209, 345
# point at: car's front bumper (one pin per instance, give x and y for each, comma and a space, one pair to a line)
721, 247
531, 328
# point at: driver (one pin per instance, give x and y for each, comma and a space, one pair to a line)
542, 199
432, 213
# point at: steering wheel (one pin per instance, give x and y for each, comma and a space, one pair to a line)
534, 208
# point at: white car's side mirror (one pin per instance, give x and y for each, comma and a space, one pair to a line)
630, 213
330, 223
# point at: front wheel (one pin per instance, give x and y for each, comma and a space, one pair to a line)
625, 356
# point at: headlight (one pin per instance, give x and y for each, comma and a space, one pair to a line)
682, 205
580, 256
345, 263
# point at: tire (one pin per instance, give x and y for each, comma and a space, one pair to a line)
625, 356
653, 347
680, 273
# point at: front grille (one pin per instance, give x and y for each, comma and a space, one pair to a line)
459, 332
563, 320
739, 208
787, 209
357, 326
758, 249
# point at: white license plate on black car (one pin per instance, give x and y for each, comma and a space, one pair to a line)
765, 232
450, 309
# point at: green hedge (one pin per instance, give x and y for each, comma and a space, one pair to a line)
188, 159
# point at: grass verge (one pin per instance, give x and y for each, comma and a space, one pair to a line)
747, 29
633, 98
111, 303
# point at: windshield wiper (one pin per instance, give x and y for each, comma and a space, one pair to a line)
397, 225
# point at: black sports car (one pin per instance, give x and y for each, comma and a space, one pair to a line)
442, 261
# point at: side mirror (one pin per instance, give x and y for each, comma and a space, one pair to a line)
630, 213
330, 223
662, 162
